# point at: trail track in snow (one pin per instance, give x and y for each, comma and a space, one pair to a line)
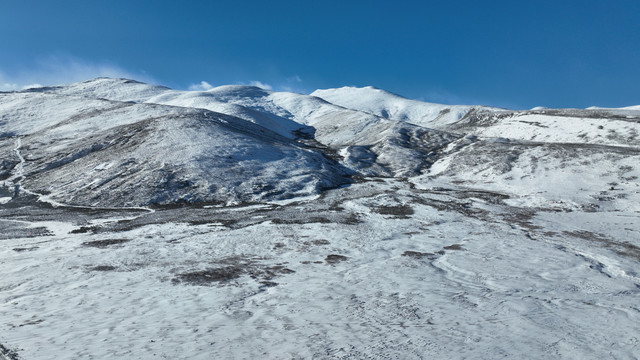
46, 198
19, 176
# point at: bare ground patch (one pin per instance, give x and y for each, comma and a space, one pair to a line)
319, 242
334, 259
25, 249
7, 353
400, 211
419, 255
85, 229
105, 243
103, 268
621, 248
231, 269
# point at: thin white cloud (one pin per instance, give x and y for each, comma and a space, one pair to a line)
6, 86
290, 84
286, 83
56, 70
261, 85
203, 86
31, 86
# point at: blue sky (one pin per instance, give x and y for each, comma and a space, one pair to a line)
516, 54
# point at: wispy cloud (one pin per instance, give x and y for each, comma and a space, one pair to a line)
10, 84
56, 69
261, 85
203, 86
291, 83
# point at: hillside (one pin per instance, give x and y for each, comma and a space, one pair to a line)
97, 152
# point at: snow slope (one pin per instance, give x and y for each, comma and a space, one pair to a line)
108, 88
104, 153
365, 140
377, 270
603, 127
391, 106
566, 177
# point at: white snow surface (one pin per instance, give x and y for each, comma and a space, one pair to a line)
612, 127
141, 222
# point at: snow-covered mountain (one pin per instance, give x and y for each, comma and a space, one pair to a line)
95, 142
137, 222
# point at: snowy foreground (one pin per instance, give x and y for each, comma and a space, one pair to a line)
375, 227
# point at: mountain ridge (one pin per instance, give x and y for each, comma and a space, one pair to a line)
252, 145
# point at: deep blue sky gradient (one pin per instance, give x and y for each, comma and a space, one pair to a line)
516, 54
